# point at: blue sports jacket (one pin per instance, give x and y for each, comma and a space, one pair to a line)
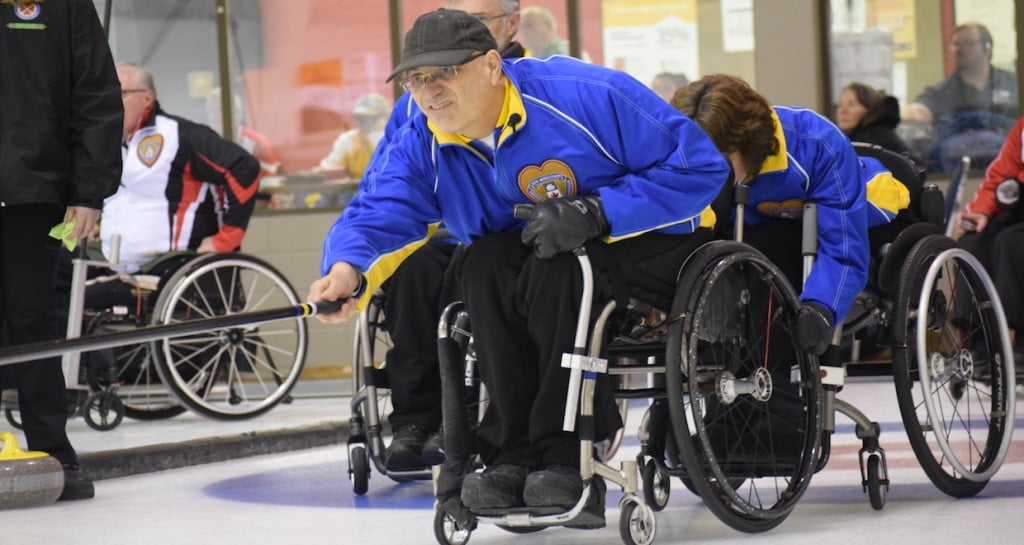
566, 128
816, 163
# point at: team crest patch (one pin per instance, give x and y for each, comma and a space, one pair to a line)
27, 12
150, 148
551, 180
787, 209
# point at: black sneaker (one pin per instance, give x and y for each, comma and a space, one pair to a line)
76, 485
433, 449
498, 487
556, 486
406, 448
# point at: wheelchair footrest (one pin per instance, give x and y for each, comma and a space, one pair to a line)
524, 510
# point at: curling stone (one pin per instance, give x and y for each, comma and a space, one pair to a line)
27, 478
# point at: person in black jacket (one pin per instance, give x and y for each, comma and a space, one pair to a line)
60, 156
868, 115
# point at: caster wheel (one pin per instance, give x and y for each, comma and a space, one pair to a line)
447, 530
876, 489
359, 470
636, 523
104, 410
657, 486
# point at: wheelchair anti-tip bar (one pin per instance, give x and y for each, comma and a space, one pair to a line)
33, 351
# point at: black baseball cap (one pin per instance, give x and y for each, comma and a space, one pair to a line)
446, 37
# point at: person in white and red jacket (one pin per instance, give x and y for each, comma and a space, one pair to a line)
184, 187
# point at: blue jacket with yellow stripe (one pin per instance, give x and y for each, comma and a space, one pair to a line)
816, 163
566, 128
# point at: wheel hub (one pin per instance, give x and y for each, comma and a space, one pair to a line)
759, 386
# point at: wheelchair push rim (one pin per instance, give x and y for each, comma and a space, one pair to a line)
962, 446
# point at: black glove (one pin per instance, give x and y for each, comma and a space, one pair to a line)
813, 328
564, 224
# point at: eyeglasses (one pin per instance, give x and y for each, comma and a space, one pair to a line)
483, 17
416, 82
126, 92
965, 43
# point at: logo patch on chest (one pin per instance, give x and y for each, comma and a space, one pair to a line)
551, 180
787, 209
150, 148
27, 12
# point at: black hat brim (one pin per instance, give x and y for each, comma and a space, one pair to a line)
448, 57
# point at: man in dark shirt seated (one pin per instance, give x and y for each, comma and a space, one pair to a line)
971, 110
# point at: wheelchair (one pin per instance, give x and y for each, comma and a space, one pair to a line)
229, 374
936, 308
370, 399
736, 409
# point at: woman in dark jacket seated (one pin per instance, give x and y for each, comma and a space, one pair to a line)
869, 115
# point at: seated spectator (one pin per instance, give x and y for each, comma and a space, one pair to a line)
182, 188
538, 30
870, 115
970, 111
995, 234
352, 150
251, 140
666, 83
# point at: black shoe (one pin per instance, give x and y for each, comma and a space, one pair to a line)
498, 487
76, 485
556, 486
433, 449
406, 448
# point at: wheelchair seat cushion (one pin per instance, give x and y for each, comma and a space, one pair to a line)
889, 268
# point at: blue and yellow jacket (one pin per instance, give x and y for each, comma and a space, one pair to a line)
816, 163
566, 128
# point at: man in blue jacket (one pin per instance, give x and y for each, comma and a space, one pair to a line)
419, 291
605, 163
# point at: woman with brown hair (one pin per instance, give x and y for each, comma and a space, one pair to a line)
869, 115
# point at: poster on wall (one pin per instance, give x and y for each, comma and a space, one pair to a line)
737, 25
646, 37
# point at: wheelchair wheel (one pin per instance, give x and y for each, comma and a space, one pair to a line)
744, 400
233, 373
952, 366
140, 389
103, 411
448, 530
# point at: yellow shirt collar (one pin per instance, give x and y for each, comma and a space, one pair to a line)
780, 160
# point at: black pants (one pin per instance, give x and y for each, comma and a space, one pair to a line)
28, 261
1000, 249
523, 312
414, 298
